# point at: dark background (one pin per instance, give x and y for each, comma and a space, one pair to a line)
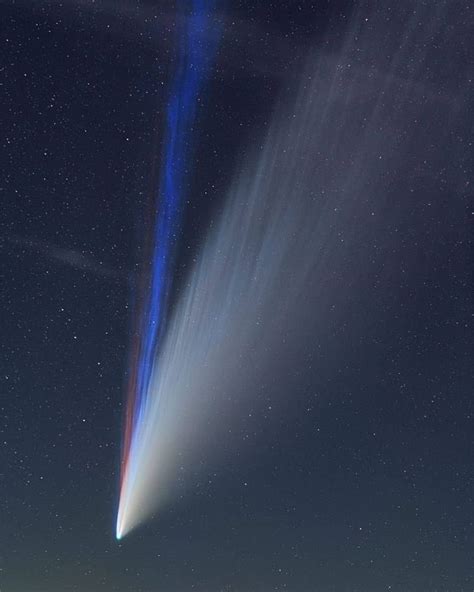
366, 486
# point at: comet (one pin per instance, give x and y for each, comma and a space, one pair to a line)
275, 278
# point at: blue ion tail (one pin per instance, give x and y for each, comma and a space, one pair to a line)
197, 48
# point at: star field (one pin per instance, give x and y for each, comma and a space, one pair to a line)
349, 467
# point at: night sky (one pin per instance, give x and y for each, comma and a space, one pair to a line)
354, 469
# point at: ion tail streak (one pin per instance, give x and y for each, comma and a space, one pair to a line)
197, 48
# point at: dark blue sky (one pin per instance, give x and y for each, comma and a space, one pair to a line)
364, 482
